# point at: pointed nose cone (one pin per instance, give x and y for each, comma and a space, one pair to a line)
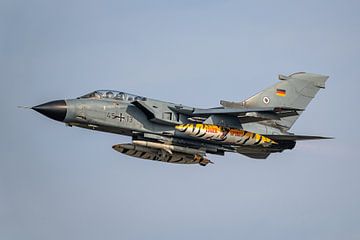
55, 110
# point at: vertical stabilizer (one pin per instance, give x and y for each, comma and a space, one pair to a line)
293, 91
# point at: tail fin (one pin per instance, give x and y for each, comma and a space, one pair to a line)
293, 91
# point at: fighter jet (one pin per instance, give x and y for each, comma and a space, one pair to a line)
163, 131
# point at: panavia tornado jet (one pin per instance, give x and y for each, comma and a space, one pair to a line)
174, 133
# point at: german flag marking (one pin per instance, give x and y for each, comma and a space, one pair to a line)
281, 92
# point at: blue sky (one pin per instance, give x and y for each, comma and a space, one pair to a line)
58, 182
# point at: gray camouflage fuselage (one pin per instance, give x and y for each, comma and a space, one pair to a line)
171, 132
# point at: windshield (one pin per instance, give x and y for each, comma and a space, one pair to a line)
111, 94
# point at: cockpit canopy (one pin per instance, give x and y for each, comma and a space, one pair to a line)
111, 94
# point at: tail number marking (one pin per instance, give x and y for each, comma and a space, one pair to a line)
120, 116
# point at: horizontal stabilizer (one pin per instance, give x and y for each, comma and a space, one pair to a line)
259, 155
239, 111
295, 137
